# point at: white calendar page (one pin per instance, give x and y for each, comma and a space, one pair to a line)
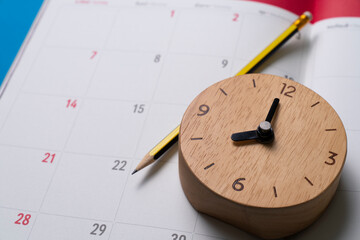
98, 83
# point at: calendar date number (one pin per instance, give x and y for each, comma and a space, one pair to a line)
176, 236
119, 165
71, 103
99, 229
139, 108
49, 158
24, 219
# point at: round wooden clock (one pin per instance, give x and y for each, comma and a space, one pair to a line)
261, 152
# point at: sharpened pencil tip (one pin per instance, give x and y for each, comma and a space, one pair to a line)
134, 172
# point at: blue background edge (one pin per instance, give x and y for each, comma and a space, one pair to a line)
16, 17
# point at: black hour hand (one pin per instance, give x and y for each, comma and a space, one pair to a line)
263, 134
244, 136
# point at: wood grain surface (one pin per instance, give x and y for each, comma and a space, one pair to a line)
271, 190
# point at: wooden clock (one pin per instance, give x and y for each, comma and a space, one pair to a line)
261, 152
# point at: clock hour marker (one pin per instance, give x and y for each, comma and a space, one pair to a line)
222, 90
315, 104
309, 181
275, 193
332, 157
254, 83
209, 166
330, 129
204, 109
198, 138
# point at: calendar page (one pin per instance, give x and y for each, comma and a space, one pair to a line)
98, 83
332, 71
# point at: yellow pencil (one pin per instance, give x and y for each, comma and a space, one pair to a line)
172, 137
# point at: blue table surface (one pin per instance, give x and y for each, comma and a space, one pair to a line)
16, 17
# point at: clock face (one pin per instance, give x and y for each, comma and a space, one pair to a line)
306, 156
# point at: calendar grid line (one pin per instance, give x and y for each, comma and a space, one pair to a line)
83, 98
134, 158
27, 147
196, 222
75, 217
54, 172
151, 101
234, 56
19, 209
127, 176
105, 99
63, 148
149, 52
69, 152
220, 238
19, 92
101, 155
145, 119
107, 221
149, 226
302, 55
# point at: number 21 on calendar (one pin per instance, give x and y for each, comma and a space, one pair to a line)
48, 158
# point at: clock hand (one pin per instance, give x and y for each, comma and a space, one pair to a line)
272, 110
264, 133
243, 136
